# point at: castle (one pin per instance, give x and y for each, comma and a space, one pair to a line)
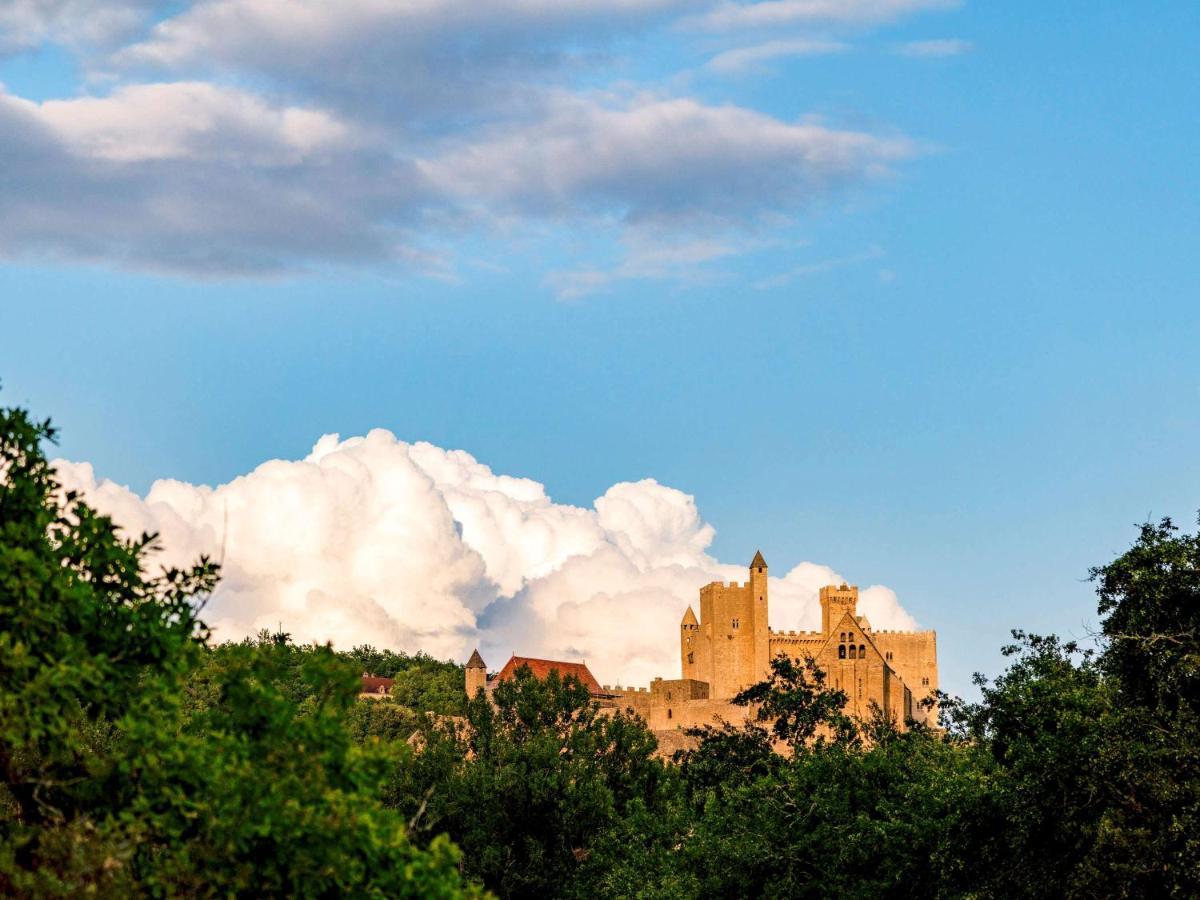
730, 647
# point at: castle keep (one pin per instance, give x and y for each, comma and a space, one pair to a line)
729, 647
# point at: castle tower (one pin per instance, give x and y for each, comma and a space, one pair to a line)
835, 601
760, 654
476, 675
689, 644
730, 647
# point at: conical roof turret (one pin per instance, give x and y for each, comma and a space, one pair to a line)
476, 661
689, 617
758, 562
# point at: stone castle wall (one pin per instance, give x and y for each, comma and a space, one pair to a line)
913, 654
729, 648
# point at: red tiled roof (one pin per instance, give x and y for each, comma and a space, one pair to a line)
373, 685
543, 667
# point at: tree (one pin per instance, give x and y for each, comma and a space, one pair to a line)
530, 782
429, 685
1150, 830
893, 815
1098, 752
118, 779
800, 709
1150, 598
265, 794
89, 645
1043, 722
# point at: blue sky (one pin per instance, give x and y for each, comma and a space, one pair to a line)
960, 359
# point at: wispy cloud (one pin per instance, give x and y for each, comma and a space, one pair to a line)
731, 16
819, 267
653, 257
741, 58
935, 48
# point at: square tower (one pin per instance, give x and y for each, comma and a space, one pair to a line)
730, 646
835, 602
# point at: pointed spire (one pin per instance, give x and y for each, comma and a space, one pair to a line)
476, 661
758, 562
689, 617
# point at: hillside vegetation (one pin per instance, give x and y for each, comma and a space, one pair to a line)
140, 758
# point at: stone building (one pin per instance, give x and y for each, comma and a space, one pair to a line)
478, 679
729, 647
374, 687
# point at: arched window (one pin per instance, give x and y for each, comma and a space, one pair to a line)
735, 623
852, 637
841, 651
852, 651
843, 637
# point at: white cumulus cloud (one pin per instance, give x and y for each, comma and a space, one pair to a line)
410, 546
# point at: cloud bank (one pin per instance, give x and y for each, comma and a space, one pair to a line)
413, 547
220, 138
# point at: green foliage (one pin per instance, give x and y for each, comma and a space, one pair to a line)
1043, 724
1149, 832
1076, 774
801, 710
842, 820
137, 761
793, 711
849, 809
90, 647
380, 722
726, 757
274, 794
1151, 597
530, 784
422, 683
431, 686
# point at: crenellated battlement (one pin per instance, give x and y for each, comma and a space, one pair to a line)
729, 646
807, 635
717, 586
729, 650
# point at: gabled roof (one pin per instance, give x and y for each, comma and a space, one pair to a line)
758, 561
373, 685
476, 661
849, 622
543, 667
